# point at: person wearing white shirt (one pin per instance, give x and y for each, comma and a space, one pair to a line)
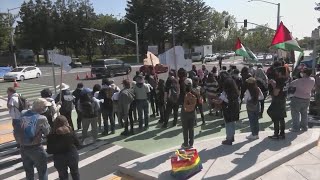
252, 96
13, 103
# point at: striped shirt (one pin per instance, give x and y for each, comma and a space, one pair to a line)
212, 87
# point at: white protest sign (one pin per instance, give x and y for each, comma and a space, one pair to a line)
169, 57
59, 59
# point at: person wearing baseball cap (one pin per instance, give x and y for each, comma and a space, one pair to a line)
126, 97
188, 114
28, 132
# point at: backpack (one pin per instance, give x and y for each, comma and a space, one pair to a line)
67, 102
88, 109
251, 106
174, 96
190, 102
25, 128
23, 103
106, 95
49, 114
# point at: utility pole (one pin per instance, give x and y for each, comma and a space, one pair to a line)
137, 42
11, 39
278, 17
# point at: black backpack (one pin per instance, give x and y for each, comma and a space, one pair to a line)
49, 114
23, 103
88, 110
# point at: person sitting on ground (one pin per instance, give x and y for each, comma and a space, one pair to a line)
63, 143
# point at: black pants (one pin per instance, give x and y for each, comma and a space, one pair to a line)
188, 119
79, 119
68, 116
133, 111
162, 112
261, 107
171, 106
154, 105
279, 126
200, 108
63, 161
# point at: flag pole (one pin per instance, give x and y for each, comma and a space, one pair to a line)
61, 82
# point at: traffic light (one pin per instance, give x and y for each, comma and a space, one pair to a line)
226, 24
245, 23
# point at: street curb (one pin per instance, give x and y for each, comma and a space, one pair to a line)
275, 161
253, 172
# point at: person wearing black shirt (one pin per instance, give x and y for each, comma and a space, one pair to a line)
76, 94
277, 108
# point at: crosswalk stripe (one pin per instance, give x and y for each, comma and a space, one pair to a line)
51, 164
91, 159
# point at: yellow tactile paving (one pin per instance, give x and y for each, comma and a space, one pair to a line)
122, 177
6, 132
6, 138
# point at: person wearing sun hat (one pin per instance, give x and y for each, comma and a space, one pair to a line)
67, 100
29, 131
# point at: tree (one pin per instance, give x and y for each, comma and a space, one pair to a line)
4, 32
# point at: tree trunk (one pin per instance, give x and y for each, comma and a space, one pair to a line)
38, 59
46, 59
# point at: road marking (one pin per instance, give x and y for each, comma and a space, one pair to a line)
91, 159
51, 164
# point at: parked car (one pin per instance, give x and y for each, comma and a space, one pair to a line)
22, 73
158, 68
109, 67
75, 64
210, 57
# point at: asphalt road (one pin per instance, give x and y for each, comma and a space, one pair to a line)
70, 77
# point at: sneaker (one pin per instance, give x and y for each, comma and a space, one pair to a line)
183, 146
252, 137
164, 126
153, 116
294, 130
124, 133
282, 136
227, 142
304, 129
274, 137
104, 133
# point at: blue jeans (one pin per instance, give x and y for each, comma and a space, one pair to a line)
230, 130
254, 122
105, 115
299, 107
63, 161
143, 110
34, 156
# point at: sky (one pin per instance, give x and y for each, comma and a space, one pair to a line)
298, 15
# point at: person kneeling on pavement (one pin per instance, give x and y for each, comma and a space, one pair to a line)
188, 114
62, 143
28, 131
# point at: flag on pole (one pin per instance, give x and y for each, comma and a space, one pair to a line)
244, 51
284, 40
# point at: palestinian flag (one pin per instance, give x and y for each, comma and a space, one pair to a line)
284, 40
244, 51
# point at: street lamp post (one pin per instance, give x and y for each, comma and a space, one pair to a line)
277, 4
137, 37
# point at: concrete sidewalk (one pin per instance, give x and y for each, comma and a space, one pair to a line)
303, 167
244, 160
